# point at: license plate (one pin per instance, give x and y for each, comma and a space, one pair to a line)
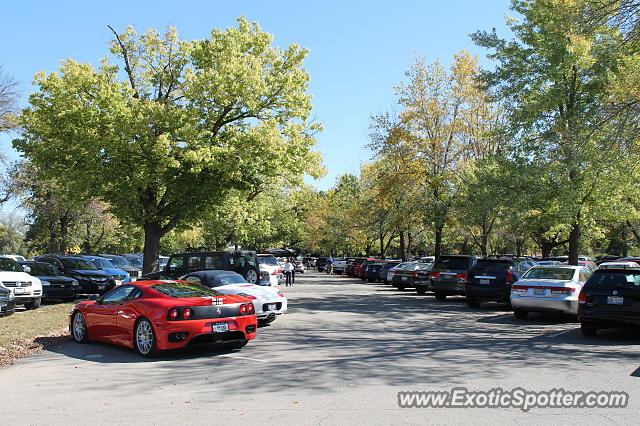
220, 327
19, 290
271, 307
484, 281
404, 278
100, 287
615, 300
539, 291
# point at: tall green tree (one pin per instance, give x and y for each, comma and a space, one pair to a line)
189, 123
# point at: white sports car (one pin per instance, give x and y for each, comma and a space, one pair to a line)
269, 302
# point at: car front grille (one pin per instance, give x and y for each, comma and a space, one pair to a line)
16, 283
120, 277
134, 273
98, 279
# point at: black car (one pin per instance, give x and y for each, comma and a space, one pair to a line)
490, 279
123, 263
385, 269
449, 275
244, 262
7, 302
321, 263
610, 299
55, 285
372, 273
91, 279
421, 278
405, 274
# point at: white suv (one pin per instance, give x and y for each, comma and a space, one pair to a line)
26, 289
269, 269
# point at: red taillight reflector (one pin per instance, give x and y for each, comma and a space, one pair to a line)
250, 308
281, 294
462, 275
436, 274
519, 287
510, 277
243, 309
414, 275
174, 313
187, 313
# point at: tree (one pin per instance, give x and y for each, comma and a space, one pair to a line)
554, 76
191, 123
9, 95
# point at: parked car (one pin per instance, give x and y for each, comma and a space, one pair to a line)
618, 265
123, 263
268, 302
157, 315
549, 262
384, 271
135, 260
339, 264
269, 270
403, 276
7, 301
351, 268
55, 285
490, 279
298, 267
321, 263
91, 279
244, 262
610, 299
121, 276
18, 258
449, 275
372, 273
548, 289
421, 278
361, 270
27, 289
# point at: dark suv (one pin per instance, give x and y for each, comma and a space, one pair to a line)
491, 278
449, 275
244, 262
610, 298
91, 279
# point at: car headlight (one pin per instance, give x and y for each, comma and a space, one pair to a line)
75, 283
11, 295
45, 283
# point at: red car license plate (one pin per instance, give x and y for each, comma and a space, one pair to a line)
220, 327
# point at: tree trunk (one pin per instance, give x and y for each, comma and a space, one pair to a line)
438, 246
484, 238
403, 253
64, 232
53, 237
409, 243
153, 232
381, 246
574, 243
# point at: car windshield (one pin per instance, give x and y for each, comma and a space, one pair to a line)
119, 261
425, 266
10, 265
43, 269
610, 280
182, 290
79, 264
390, 265
446, 262
492, 266
267, 260
562, 274
231, 279
409, 266
102, 263
135, 261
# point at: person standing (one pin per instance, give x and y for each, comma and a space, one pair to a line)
288, 272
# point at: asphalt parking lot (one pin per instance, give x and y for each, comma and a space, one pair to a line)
340, 356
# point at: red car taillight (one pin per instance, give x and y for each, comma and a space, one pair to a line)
510, 277
243, 309
187, 313
414, 275
281, 294
583, 298
462, 276
436, 274
174, 313
250, 308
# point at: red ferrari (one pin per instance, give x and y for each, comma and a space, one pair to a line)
157, 315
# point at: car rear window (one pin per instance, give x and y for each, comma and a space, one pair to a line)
182, 290
609, 280
492, 266
446, 262
549, 273
267, 260
391, 264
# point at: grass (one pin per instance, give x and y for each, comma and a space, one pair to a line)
22, 333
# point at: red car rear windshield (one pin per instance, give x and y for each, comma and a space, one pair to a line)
184, 290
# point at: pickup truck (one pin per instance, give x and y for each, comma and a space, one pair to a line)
339, 265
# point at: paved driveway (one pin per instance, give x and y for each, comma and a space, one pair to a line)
340, 356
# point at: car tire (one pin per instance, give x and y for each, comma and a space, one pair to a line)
33, 305
520, 314
79, 332
472, 302
238, 344
251, 276
144, 338
588, 330
441, 297
421, 291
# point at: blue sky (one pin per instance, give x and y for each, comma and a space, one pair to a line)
359, 49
